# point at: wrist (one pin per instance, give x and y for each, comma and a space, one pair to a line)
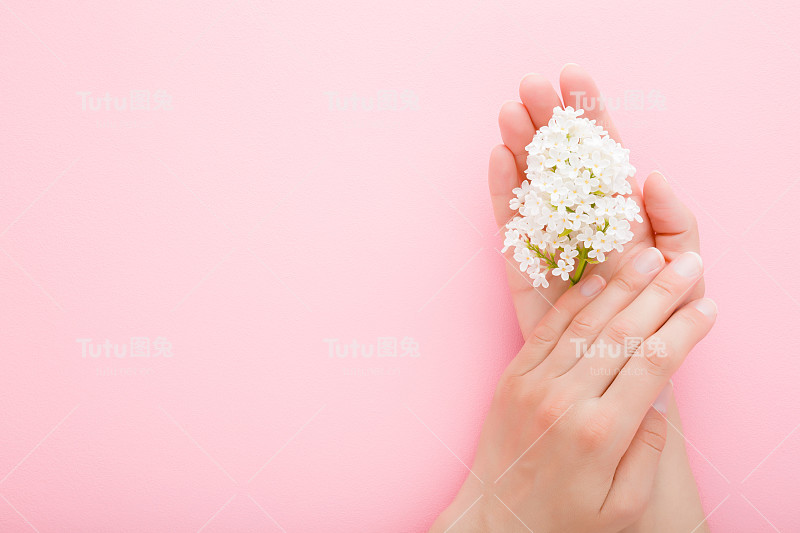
475, 509
464, 517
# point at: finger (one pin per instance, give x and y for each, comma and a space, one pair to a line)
589, 322
530, 302
579, 90
502, 180
516, 129
548, 331
673, 223
645, 374
636, 472
539, 97
624, 333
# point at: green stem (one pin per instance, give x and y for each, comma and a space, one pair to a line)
583, 261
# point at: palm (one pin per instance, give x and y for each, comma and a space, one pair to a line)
518, 123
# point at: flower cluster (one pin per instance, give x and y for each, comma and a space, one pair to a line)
572, 206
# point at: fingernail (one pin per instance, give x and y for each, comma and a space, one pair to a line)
531, 75
688, 265
648, 261
592, 285
662, 402
707, 306
660, 175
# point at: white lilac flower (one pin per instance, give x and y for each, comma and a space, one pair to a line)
562, 269
573, 208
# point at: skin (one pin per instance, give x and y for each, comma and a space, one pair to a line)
571, 442
668, 225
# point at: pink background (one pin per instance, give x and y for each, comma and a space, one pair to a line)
272, 208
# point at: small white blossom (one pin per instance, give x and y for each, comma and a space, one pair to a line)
526, 258
562, 269
572, 207
569, 254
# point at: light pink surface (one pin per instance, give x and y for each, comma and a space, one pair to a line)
258, 217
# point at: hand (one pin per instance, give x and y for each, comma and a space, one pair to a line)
668, 224
571, 442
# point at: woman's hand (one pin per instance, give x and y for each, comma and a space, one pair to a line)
668, 225
571, 442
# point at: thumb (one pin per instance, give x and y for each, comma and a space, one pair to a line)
674, 225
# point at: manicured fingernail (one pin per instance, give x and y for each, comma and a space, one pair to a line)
660, 175
662, 402
707, 306
592, 285
688, 265
531, 75
648, 260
